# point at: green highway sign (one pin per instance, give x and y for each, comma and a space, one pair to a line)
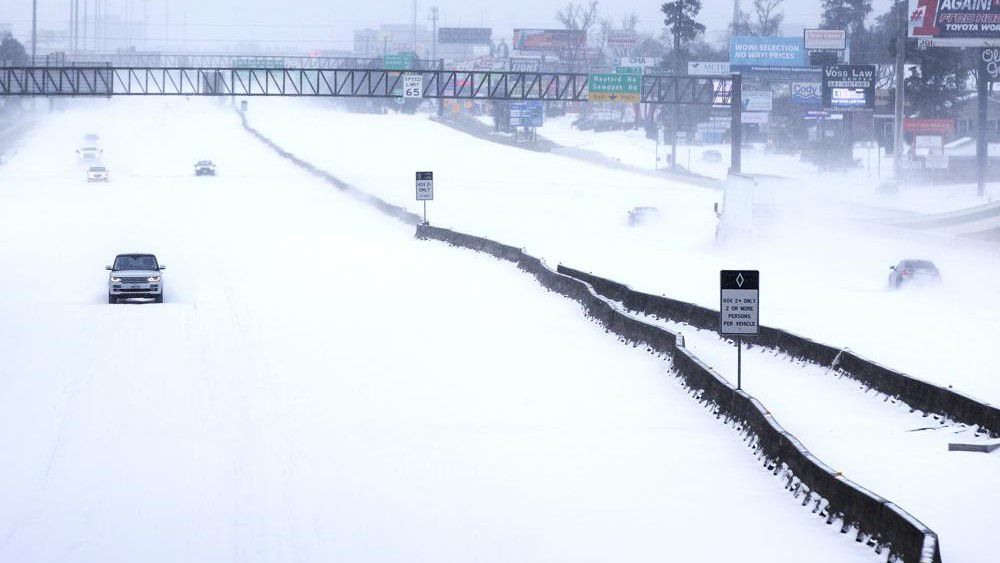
618, 87
259, 62
398, 61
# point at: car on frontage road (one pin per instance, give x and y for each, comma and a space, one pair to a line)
917, 272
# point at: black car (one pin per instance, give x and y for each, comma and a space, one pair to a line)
910, 271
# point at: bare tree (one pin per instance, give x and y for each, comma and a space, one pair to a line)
766, 20
578, 16
770, 15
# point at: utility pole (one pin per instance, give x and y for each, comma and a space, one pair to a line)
434, 31
897, 140
414, 26
34, 30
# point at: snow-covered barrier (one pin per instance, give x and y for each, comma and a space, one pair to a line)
389, 209
873, 519
918, 394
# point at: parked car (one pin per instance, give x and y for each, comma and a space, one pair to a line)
89, 153
135, 276
204, 168
711, 156
97, 174
643, 215
913, 271
92, 139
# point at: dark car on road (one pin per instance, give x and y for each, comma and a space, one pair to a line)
913, 271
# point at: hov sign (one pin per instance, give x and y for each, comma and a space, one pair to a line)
739, 306
425, 186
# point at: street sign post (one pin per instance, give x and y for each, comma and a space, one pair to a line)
616, 87
413, 86
425, 189
739, 309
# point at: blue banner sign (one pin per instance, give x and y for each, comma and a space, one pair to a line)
766, 52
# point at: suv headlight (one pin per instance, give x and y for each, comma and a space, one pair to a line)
115, 279
153, 279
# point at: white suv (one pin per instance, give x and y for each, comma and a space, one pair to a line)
97, 174
135, 276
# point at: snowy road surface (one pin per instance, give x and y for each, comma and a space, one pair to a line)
821, 276
320, 386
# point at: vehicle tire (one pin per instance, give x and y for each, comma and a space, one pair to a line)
158, 298
112, 300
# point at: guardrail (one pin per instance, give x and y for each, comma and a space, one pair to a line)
916, 393
877, 521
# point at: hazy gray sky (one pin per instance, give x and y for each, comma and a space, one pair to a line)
328, 23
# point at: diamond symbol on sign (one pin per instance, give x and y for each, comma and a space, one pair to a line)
739, 280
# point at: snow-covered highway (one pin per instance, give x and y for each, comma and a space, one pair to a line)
319, 386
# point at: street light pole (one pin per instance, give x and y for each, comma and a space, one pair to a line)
34, 30
897, 140
434, 39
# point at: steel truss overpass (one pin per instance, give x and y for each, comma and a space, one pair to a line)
106, 81
188, 60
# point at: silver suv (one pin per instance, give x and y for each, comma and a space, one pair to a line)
135, 276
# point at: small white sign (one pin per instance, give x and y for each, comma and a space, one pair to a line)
825, 39
757, 100
936, 162
708, 68
739, 304
425, 186
638, 62
413, 86
757, 117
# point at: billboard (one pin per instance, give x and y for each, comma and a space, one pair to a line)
707, 68
807, 93
465, 35
766, 52
927, 126
955, 23
524, 64
824, 39
848, 87
621, 38
548, 39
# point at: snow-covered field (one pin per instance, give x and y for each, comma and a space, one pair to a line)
319, 386
823, 275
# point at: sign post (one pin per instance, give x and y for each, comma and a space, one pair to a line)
989, 72
425, 189
739, 309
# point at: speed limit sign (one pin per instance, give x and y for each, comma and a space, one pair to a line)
413, 86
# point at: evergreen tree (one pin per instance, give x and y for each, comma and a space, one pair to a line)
12, 53
680, 22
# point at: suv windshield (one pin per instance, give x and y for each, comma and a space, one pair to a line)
135, 262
